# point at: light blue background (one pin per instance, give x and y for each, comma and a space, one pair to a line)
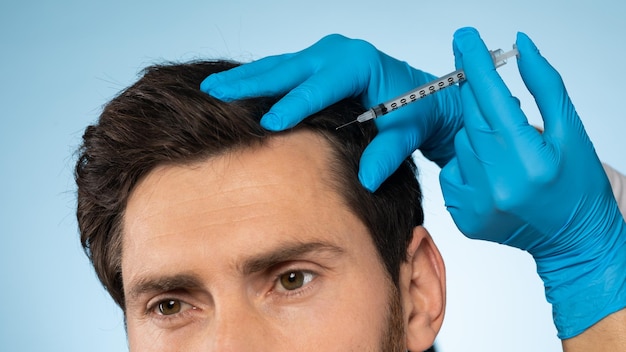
61, 60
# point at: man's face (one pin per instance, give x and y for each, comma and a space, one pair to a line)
253, 251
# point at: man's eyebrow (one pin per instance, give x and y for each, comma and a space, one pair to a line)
286, 253
163, 284
255, 264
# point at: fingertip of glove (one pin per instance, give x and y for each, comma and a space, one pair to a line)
272, 122
531, 63
208, 83
525, 45
210, 86
465, 31
464, 38
368, 182
470, 50
372, 169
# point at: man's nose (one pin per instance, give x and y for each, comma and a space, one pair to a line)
239, 328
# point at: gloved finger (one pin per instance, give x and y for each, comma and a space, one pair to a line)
494, 99
225, 85
454, 188
516, 137
481, 137
472, 115
461, 183
272, 77
476, 127
309, 97
472, 169
451, 177
517, 101
384, 154
546, 86
493, 151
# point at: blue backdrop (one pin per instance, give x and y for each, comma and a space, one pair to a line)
60, 61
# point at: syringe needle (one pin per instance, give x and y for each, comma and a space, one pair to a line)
366, 116
346, 124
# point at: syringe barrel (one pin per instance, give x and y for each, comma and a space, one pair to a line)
498, 56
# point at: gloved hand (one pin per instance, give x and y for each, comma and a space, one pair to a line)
542, 192
336, 68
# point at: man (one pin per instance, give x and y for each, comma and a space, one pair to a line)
212, 233
207, 237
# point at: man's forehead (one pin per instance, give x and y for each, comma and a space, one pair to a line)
295, 159
275, 190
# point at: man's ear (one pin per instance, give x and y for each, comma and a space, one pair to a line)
423, 291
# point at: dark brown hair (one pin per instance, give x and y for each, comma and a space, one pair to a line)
165, 119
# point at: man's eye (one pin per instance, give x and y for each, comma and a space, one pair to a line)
294, 280
169, 307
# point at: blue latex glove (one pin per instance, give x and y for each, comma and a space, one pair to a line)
544, 193
336, 68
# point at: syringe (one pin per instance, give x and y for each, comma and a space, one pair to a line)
499, 59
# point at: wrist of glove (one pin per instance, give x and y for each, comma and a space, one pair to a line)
586, 280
